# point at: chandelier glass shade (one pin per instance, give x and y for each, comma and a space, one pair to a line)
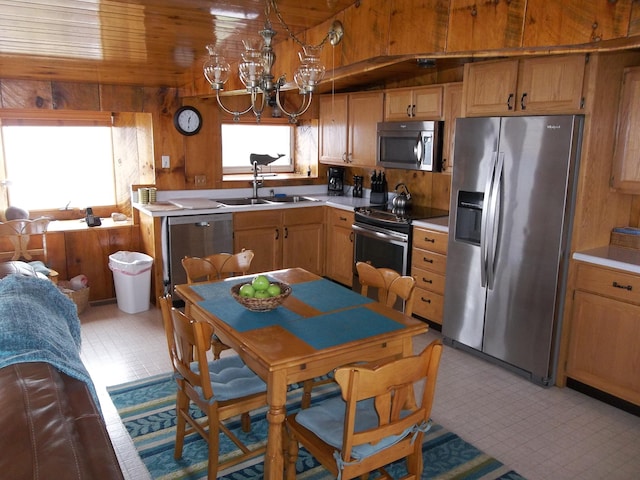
255, 70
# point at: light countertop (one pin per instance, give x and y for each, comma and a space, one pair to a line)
627, 259
439, 224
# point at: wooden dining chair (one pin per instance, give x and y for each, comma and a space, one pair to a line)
373, 423
217, 266
221, 389
390, 286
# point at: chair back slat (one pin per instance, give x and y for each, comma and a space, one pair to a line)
390, 284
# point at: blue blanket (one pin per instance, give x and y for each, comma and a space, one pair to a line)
40, 324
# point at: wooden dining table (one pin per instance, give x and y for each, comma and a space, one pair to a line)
319, 327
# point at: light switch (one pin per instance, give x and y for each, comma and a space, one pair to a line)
166, 161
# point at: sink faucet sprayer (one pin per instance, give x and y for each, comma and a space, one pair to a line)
256, 182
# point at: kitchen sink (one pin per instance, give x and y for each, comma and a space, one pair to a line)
291, 199
264, 200
242, 201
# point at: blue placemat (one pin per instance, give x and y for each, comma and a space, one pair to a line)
216, 289
336, 328
241, 319
333, 296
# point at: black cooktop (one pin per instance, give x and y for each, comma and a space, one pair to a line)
387, 213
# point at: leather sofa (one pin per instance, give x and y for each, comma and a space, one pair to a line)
50, 424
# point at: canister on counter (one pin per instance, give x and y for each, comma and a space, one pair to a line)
152, 194
143, 195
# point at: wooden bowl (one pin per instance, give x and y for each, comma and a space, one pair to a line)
261, 304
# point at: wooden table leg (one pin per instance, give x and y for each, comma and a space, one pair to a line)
276, 399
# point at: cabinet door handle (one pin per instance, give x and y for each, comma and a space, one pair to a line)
523, 103
413, 110
426, 300
351, 235
408, 110
286, 232
426, 280
343, 219
509, 100
430, 240
624, 287
428, 260
277, 233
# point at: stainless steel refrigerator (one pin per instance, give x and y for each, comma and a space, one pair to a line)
512, 200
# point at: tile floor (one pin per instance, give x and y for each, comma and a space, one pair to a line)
543, 433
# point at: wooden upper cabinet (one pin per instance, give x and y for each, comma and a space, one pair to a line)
452, 109
541, 85
626, 162
333, 128
423, 103
348, 123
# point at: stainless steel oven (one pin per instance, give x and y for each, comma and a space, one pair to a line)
382, 237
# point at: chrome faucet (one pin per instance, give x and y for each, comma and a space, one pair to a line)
256, 181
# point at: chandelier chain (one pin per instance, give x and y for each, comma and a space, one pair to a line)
288, 30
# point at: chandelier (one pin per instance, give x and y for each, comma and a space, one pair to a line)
256, 69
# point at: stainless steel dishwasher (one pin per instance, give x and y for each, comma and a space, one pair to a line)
195, 235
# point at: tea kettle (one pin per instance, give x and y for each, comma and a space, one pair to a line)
402, 200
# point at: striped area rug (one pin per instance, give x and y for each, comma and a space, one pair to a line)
147, 410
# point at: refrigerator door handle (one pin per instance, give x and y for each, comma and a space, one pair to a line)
494, 220
484, 221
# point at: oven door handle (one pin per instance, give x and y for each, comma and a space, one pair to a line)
372, 232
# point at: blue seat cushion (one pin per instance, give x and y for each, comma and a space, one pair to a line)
231, 378
326, 420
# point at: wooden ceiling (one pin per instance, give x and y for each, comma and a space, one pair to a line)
137, 42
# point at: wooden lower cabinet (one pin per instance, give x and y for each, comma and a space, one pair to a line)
283, 238
86, 251
339, 257
605, 332
428, 268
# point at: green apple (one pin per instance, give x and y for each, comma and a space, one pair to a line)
247, 290
260, 282
261, 294
274, 290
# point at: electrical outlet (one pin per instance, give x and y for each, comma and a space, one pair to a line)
201, 180
166, 161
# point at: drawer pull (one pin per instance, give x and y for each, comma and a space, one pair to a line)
425, 280
624, 287
430, 240
426, 300
428, 260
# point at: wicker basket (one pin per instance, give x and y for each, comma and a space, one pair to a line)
79, 297
261, 304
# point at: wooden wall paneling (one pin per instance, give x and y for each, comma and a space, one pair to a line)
200, 152
575, 22
121, 98
418, 26
441, 191
75, 96
132, 151
485, 25
162, 104
366, 26
26, 94
418, 182
634, 19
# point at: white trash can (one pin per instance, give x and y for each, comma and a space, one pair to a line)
132, 279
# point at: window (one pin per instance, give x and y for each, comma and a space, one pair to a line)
240, 140
56, 166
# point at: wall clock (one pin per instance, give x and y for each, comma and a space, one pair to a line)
187, 120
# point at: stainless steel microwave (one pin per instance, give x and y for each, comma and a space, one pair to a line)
410, 145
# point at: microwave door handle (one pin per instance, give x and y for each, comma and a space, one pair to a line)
418, 150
